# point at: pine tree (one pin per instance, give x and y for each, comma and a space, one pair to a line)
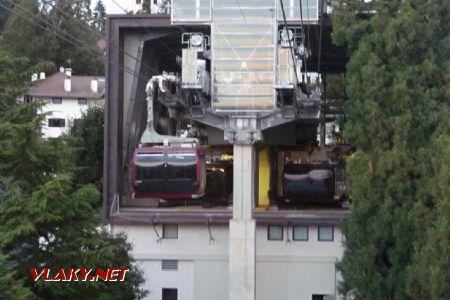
45, 219
86, 136
16, 39
56, 227
10, 287
15, 78
23, 38
146, 7
99, 16
429, 275
4, 14
398, 88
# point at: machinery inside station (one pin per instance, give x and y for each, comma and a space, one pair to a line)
226, 120
262, 74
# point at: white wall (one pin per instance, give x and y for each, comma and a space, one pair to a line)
294, 270
192, 242
295, 278
312, 247
69, 110
156, 279
211, 279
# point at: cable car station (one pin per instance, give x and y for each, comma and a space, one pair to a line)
223, 152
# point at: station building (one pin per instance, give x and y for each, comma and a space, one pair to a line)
244, 83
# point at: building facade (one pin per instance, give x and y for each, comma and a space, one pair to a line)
263, 246
292, 261
65, 99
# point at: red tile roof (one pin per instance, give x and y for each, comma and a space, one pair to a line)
53, 86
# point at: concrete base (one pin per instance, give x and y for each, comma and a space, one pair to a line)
242, 260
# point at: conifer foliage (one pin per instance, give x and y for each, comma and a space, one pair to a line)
398, 87
86, 137
46, 220
41, 31
99, 16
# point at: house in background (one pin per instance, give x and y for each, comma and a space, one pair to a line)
66, 97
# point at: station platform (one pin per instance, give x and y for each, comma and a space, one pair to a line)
221, 215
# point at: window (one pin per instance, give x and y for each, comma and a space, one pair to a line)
138, 1
169, 264
300, 233
169, 294
82, 101
275, 233
317, 297
56, 100
325, 233
182, 165
56, 122
170, 231
155, 2
150, 166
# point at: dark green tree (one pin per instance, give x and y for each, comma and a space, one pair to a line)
429, 275
10, 287
13, 38
15, 78
46, 220
23, 38
85, 59
19, 125
99, 16
146, 7
56, 227
86, 136
4, 15
398, 96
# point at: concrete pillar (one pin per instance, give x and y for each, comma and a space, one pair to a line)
242, 264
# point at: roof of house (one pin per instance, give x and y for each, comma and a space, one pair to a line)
53, 86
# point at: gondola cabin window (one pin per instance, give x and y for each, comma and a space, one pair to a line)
182, 165
150, 165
